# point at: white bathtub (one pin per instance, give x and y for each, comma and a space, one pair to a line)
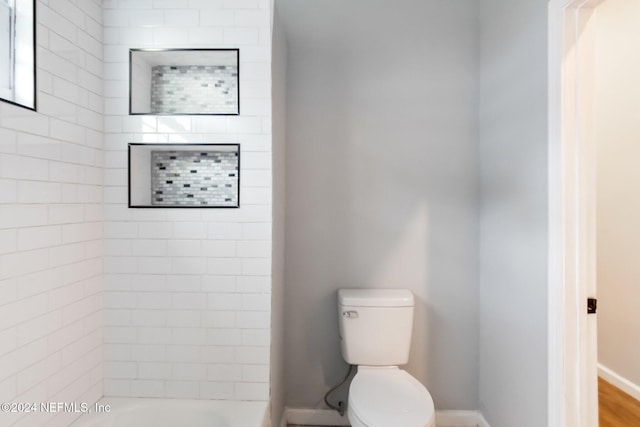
131, 412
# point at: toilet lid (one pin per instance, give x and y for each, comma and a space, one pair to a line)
390, 398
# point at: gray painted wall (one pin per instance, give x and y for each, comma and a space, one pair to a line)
513, 212
381, 183
278, 102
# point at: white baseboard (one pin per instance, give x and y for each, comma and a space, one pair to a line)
458, 419
481, 421
327, 417
314, 417
619, 381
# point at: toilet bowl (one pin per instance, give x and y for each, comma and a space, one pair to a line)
389, 397
375, 335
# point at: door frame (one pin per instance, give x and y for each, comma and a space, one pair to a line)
572, 351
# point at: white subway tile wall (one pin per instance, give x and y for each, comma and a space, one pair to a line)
187, 291
51, 319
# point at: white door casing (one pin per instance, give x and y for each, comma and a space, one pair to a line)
572, 333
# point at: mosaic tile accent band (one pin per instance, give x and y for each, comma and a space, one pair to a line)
194, 178
194, 89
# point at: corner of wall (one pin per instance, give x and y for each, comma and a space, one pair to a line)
278, 90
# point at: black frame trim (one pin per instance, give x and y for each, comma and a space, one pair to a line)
132, 50
181, 206
35, 68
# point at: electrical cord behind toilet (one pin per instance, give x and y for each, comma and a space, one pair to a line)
341, 405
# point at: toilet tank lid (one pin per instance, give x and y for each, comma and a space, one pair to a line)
375, 297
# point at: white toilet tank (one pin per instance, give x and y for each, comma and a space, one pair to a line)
375, 326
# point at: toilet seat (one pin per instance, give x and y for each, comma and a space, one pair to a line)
389, 397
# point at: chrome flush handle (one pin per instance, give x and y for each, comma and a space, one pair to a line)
350, 314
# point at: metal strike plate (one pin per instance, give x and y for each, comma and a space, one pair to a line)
592, 305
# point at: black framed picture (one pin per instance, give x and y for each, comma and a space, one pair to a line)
184, 175
184, 81
18, 52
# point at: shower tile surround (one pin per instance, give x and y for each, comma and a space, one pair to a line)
194, 89
188, 291
98, 299
206, 178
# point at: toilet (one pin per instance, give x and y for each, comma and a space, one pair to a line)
375, 335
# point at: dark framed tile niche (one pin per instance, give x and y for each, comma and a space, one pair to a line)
184, 175
184, 82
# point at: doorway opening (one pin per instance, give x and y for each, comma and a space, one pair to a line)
586, 130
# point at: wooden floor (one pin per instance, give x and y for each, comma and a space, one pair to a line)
617, 408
